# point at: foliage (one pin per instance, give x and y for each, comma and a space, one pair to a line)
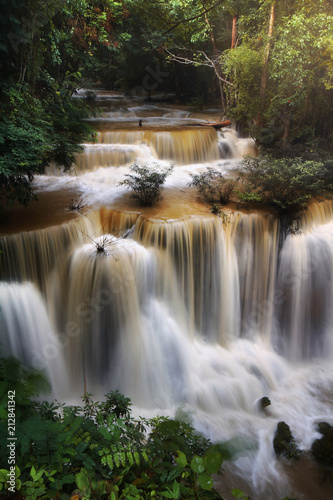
35, 132
99, 449
297, 98
44, 52
213, 187
303, 91
286, 185
239, 494
146, 183
242, 66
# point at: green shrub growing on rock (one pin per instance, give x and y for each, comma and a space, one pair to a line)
146, 183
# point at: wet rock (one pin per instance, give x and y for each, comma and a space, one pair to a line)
322, 449
264, 402
282, 438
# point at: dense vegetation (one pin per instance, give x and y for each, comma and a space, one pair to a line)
98, 450
241, 54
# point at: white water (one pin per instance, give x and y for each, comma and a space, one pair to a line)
183, 314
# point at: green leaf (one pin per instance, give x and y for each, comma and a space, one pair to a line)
175, 472
181, 459
167, 494
82, 480
212, 462
33, 473
3, 475
175, 489
237, 493
197, 464
205, 481
17, 472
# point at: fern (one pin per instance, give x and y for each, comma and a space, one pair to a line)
109, 461
136, 458
88, 462
122, 457
116, 460
130, 458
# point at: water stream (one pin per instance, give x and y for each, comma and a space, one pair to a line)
181, 312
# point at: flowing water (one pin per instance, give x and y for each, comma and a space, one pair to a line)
180, 312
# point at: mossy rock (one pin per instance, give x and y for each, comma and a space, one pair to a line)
322, 449
282, 438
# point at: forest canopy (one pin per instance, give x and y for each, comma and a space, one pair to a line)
268, 64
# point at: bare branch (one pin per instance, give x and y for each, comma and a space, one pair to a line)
210, 63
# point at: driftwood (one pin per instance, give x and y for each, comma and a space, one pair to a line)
216, 125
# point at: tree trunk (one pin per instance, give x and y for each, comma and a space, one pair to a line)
234, 32
285, 139
217, 65
263, 82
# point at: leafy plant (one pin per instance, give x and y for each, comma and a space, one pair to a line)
213, 187
146, 183
286, 185
98, 450
239, 494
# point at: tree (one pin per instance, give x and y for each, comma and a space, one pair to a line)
285, 184
289, 102
303, 91
146, 183
44, 49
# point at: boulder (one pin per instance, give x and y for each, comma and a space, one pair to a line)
264, 402
322, 449
282, 438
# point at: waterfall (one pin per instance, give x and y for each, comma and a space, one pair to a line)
184, 146
207, 281
194, 313
27, 333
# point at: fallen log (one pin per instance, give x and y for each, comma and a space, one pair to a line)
216, 125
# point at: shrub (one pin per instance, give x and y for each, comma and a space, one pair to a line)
284, 184
146, 183
213, 187
98, 450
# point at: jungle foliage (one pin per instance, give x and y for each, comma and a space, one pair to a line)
99, 450
239, 55
44, 51
285, 184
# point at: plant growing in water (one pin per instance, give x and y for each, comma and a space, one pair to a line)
285, 184
105, 241
146, 183
213, 187
76, 203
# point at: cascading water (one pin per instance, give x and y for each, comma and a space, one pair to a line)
178, 313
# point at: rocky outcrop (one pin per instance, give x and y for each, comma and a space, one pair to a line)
322, 449
282, 438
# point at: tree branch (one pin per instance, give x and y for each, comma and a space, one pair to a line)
210, 63
193, 17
